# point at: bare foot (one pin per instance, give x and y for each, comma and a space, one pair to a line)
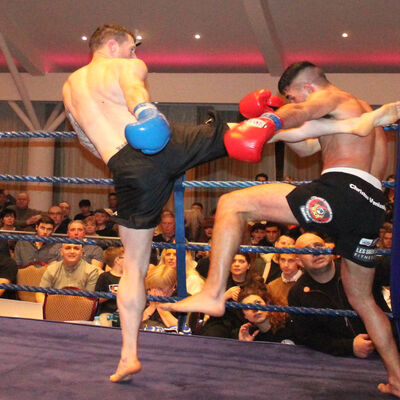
125, 371
388, 388
201, 302
387, 114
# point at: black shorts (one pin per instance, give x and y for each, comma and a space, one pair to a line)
347, 208
144, 183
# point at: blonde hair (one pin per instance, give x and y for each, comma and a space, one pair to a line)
189, 262
160, 276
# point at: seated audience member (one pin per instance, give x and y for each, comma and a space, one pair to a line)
257, 233
90, 226
158, 229
193, 224
261, 177
194, 282
386, 227
389, 195
92, 254
103, 225
321, 287
241, 275
272, 233
35, 253
167, 234
60, 224
5, 200
66, 209
84, 206
160, 281
108, 281
112, 201
270, 270
26, 217
208, 226
72, 270
7, 221
279, 288
262, 326
8, 274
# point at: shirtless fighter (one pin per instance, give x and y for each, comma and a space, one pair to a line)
346, 202
107, 103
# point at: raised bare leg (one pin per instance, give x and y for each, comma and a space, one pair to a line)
357, 282
131, 298
233, 212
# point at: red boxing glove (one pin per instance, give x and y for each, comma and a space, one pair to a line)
245, 141
259, 102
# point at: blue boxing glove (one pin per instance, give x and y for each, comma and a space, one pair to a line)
151, 132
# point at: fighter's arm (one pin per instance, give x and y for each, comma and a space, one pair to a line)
318, 104
306, 147
132, 80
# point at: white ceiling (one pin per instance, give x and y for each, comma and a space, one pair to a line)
237, 35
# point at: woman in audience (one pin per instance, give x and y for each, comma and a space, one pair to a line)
160, 281
194, 282
7, 221
241, 275
262, 325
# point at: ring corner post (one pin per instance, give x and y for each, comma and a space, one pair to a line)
395, 257
179, 192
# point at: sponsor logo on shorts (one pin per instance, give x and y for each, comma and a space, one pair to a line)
366, 250
317, 210
370, 199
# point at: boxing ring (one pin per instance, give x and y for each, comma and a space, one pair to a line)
47, 360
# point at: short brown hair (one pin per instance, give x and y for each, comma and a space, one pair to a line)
111, 253
106, 32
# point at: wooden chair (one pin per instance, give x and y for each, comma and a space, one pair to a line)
30, 276
59, 307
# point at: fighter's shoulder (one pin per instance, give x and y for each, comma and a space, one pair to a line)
134, 65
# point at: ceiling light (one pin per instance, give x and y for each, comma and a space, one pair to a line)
197, 36
139, 37
345, 35
84, 37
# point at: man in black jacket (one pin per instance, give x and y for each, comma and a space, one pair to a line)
321, 287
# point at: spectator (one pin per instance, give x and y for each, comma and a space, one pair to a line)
261, 177
108, 281
90, 226
92, 254
8, 274
25, 217
208, 226
60, 224
262, 325
194, 282
321, 287
257, 233
272, 232
160, 281
7, 221
36, 253
103, 227
112, 201
167, 234
270, 270
4, 200
84, 206
241, 275
72, 270
198, 207
66, 209
193, 224
279, 288
389, 195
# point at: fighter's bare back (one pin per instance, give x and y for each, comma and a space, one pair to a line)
98, 96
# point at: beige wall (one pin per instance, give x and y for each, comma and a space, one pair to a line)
212, 88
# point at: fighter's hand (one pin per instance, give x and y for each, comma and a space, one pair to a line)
362, 346
232, 293
244, 333
259, 102
151, 132
246, 140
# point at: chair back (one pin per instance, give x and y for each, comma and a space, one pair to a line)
30, 276
59, 307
